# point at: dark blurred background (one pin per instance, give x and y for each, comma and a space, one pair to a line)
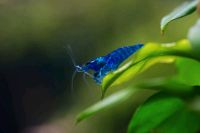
36, 71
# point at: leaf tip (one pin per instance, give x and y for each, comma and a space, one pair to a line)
162, 26
103, 91
102, 95
78, 119
162, 32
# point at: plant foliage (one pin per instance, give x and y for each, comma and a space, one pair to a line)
185, 9
170, 109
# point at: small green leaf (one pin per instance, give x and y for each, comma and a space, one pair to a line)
181, 11
161, 111
188, 71
149, 55
106, 103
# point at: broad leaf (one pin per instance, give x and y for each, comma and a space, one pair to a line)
167, 85
149, 55
182, 121
183, 10
106, 103
161, 112
188, 71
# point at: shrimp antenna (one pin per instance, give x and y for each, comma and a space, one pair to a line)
72, 81
70, 53
69, 50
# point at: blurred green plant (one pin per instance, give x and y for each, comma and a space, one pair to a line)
181, 11
193, 36
168, 110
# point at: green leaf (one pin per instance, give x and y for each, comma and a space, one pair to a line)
108, 102
162, 112
181, 11
149, 55
167, 85
188, 71
185, 121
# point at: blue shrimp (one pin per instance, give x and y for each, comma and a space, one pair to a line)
102, 65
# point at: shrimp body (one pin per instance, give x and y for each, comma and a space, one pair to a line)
108, 63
